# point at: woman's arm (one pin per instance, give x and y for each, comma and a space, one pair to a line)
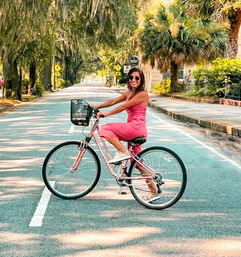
112, 102
140, 98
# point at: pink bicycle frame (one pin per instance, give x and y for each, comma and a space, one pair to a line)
111, 169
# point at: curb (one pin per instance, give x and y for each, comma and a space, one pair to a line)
214, 100
216, 126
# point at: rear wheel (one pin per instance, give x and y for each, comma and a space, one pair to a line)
170, 177
57, 171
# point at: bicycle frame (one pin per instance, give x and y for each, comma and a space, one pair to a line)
105, 153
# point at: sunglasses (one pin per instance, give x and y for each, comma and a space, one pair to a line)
132, 77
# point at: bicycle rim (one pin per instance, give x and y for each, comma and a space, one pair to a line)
58, 175
170, 176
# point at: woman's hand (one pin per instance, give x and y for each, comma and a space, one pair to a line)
101, 113
94, 106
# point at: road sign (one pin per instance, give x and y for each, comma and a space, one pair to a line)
57, 73
118, 67
127, 67
118, 74
134, 61
57, 67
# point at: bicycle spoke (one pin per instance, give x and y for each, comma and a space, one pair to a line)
169, 181
58, 167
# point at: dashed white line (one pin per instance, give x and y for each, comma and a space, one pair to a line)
199, 142
71, 130
39, 213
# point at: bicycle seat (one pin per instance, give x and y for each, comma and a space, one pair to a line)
137, 141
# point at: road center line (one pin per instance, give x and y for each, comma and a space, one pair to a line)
38, 216
199, 142
71, 130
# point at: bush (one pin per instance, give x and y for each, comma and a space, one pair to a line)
163, 87
223, 73
39, 88
110, 80
61, 83
122, 80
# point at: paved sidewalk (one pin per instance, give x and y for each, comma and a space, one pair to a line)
218, 117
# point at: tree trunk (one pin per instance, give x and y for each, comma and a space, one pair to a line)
235, 23
11, 79
33, 77
174, 77
20, 84
67, 74
46, 76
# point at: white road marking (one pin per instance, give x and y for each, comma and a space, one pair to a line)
71, 130
38, 216
199, 142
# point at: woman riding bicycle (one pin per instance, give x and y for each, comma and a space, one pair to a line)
135, 103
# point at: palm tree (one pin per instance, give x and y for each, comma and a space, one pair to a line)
219, 9
173, 38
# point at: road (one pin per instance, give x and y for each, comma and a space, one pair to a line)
205, 222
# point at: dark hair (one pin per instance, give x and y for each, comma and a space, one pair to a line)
141, 87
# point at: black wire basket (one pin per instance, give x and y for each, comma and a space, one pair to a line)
80, 112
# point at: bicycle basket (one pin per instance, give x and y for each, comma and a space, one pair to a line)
81, 112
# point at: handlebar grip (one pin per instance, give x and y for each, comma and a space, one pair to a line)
102, 116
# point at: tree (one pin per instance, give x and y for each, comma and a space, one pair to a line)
219, 10
173, 38
91, 24
21, 23
79, 22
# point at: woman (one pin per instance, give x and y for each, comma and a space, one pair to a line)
135, 103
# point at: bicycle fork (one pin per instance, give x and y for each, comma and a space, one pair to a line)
78, 159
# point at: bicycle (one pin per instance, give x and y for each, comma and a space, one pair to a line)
72, 169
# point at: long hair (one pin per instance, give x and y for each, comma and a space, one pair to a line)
141, 87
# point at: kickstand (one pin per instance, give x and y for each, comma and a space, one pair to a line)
159, 191
121, 192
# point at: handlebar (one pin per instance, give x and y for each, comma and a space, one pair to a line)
96, 111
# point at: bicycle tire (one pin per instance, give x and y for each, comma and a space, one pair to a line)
59, 178
170, 175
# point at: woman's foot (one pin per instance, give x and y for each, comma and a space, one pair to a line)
120, 157
151, 197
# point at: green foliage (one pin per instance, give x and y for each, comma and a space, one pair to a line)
110, 78
39, 88
25, 83
176, 37
163, 87
31, 32
221, 74
61, 83
122, 80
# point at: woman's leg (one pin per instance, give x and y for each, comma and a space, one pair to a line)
114, 132
150, 182
117, 144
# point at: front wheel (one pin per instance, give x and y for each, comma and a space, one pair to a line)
57, 171
170, 178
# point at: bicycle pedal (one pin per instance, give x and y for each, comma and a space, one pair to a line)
116, 163
122, 193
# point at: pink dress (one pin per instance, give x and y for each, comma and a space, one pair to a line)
134, 127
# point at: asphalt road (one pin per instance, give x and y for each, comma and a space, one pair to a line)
205, 222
